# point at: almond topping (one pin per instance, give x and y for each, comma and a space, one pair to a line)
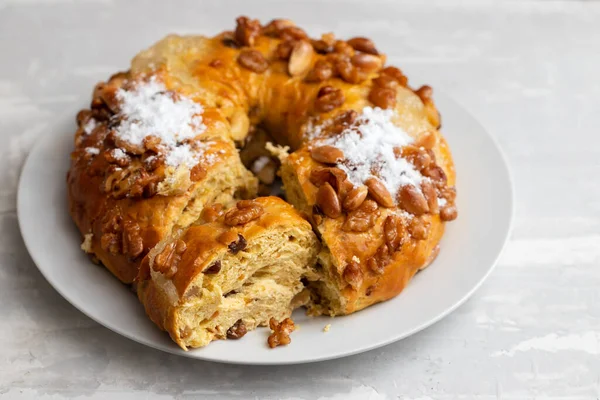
412, 200
328, 201
300, 58
327, 154
379, 192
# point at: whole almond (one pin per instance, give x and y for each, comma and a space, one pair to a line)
363, 44
275, 27
379, 192
366, 62
300, 58
328, 201
327, 154
412, 200
335, 176
355, 198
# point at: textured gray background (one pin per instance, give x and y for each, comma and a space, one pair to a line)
529, 71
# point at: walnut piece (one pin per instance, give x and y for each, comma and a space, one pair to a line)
281, 332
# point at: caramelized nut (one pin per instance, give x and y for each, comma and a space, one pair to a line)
355, 198
284, 49
326, 44
436, 174
395, 74
392, 231
253, 60
353, 274
379, 192
281, 332
364, 45
327, 154
151, 143
335, 176
246, 31
363, 218
328, 201
349, 72
382, 97
448, 193
448, 213
118, 157
367, 62
347, 118
421, 160
412, 200
244, 212
110, 242
293, 33
379, 260
320, 72
328, 99
425, 93
430, 195
418, 229
386, 81
152, 162
275, 27
167, 261
300, 58
343, 49
133, 244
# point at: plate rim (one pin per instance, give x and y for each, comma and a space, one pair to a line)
441, 98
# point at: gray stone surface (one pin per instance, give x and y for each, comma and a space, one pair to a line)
529, 71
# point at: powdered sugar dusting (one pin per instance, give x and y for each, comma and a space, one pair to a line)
118, 154
89, 126
369, 147
150, 110
92, 150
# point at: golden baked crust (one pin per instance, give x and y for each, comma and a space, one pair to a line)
132, 200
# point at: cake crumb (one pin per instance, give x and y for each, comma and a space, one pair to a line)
326, 328
281, 152
87, 242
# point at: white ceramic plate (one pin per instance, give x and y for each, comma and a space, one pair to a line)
468, 253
